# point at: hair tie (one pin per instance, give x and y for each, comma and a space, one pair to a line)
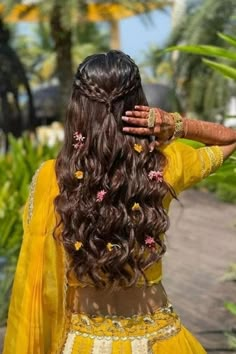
108, 105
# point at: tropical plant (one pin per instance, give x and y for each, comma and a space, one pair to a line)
222, 182
63, 17
231, 307
216, 52
38, 54
194, 81
16, 171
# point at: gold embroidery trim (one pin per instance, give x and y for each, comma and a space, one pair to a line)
205, 170
215, 157
159, 326
160, 334
32, 193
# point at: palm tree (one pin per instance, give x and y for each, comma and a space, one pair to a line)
39, 57
64, 16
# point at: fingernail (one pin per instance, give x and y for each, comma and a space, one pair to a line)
125, 118
125, 129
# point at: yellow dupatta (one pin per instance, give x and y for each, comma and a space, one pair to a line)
37, 313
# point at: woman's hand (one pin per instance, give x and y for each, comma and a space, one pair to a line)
163, 128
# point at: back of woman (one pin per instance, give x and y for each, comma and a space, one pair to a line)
89, 274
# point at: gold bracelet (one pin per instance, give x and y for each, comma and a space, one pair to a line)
179, 126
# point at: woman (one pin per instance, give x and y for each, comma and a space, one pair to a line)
89, 274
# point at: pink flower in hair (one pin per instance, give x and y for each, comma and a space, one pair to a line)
150, 242
79, 138
156, 176
100, 195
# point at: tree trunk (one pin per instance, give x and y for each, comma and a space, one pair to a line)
115, 34
63, 43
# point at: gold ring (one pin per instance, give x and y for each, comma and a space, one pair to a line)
151, 118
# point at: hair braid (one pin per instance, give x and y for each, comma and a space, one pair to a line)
89, 88
93, 91
129, 85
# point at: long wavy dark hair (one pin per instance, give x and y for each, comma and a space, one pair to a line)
105, 86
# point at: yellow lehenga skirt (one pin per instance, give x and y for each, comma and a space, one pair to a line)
159, 333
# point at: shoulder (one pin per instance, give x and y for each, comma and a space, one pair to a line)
45, 174
176, 147
43, 190
47, 166
175, 152
182, 165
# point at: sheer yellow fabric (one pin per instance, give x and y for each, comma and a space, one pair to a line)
38, 318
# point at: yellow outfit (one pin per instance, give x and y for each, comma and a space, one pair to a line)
39, 321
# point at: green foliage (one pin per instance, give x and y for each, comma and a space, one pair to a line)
194, 81
222, 183
208, 50
231, 307
214, 51
16, 171
38, 52
226, 70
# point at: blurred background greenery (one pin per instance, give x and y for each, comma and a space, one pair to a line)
193, 72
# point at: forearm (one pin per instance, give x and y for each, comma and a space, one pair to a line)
228, 150
170, 126
208, 133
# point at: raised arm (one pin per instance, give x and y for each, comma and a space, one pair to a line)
165, 129
208, 133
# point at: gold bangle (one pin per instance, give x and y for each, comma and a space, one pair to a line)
179, 126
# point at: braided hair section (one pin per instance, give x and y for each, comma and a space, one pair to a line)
89, 88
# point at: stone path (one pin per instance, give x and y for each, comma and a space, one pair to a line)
201, 245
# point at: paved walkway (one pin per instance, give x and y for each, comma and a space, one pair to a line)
201, 245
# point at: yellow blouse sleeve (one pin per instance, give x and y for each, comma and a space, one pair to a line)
36, 318
187, 166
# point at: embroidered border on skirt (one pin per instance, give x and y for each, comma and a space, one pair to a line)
101, 334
